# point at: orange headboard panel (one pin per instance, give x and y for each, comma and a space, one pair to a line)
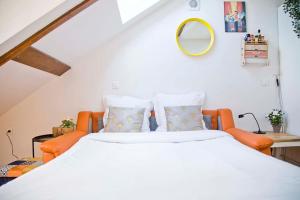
96, 116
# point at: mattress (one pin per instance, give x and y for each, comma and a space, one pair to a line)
180, 165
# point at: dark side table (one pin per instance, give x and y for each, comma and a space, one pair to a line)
41, 138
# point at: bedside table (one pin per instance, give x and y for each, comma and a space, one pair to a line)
41, 138
282, 141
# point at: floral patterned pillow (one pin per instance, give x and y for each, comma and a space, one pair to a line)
122, 119
184, 118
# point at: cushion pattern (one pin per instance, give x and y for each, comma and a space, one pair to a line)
184, 118
163, 100
128, 102
124, 119
206, 118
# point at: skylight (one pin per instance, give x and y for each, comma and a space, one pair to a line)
131, 8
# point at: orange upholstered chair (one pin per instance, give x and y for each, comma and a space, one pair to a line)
255, 141
54, 147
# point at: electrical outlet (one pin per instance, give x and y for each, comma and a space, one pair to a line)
10, 130
265, 83
115, 85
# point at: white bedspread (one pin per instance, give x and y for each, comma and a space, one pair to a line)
158, 166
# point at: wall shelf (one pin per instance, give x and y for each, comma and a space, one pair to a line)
255, 53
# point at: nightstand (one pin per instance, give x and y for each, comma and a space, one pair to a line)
41, 138
281, 142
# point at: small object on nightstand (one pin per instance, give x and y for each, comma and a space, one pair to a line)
276, 119
56, 131
67, 125
257, 132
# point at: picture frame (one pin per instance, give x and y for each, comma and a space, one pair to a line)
235, 16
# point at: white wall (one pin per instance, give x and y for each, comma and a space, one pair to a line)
14, 87
290, 70
145, 60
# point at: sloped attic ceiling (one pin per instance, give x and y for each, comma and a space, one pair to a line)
89, 29
84, 32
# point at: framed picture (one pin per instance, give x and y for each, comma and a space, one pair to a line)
235, 16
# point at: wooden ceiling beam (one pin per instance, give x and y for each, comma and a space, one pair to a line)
14, 52
39, 60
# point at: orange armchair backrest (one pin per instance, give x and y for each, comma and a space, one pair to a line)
83, 121
226, 118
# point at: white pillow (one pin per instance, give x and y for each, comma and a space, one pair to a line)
128, 102
163, 100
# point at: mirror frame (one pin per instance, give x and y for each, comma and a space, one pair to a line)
211, 32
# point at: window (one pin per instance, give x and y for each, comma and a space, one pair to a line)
131, 8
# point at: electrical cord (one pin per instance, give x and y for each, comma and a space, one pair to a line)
280, 98
279, 92
11, 145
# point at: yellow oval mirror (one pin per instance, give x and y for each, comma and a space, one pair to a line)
195, 37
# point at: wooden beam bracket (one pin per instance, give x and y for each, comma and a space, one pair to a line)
39, 60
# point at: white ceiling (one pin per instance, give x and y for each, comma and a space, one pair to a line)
89, 29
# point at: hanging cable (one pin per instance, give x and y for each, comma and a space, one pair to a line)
280, 99
279, 91
11, 144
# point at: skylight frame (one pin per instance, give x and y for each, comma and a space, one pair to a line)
129, 9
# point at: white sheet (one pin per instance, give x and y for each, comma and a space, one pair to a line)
158, 166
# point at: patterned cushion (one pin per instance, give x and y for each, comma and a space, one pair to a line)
124, 119
184, 118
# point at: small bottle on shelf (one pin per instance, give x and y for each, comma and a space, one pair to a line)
259, 35
263, 39
256, 39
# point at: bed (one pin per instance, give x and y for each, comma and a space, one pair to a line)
206, 164
194, 163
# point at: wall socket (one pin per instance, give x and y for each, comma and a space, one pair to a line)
115, 85
265, 83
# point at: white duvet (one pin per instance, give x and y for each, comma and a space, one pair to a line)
158, 166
